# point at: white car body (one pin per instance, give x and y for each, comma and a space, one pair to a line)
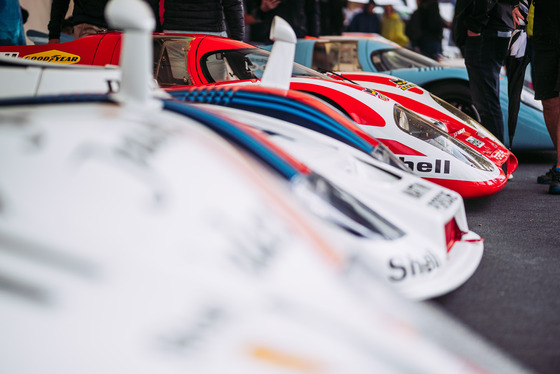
120, 258
114, 258
134, 240
27, 78
421, 207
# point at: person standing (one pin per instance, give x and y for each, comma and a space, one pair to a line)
546, 48
11, 23
489, 27
366, 21
301, 15
88, 17
331, 16
431, 34
392, 26
216, 17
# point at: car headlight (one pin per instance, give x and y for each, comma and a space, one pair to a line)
383, 154
467, 119
414, 125
335, 205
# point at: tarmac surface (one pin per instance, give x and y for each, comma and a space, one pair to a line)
513, 299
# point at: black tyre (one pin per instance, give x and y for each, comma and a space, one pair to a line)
456, 94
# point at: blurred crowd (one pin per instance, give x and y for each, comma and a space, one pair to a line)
421, 30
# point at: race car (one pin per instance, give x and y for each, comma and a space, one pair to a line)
198, 59
108, 243
434, 213
95, 252
390, 247
438, 111
373, 53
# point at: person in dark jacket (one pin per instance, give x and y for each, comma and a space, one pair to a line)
216, 17
489, 28
302, 15
366, 21
546, 44
88, 17
431, 24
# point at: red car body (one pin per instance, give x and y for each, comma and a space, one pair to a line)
104, 49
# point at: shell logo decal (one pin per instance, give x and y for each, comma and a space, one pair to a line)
54, 56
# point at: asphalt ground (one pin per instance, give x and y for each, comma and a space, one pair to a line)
513, 299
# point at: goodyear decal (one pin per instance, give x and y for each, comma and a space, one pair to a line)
54, 56
403, 85
9, 54
376, 94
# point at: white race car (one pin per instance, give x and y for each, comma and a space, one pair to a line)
434, 213
114, 258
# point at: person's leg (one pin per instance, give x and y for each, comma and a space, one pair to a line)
547, 85
551, 112
484, 57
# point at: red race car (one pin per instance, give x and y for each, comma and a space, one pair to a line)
192, 59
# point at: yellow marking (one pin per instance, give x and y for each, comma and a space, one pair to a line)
54, 56
286, 360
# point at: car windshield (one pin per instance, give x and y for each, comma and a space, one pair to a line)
170, 61
241, 64
336, 56
400, 58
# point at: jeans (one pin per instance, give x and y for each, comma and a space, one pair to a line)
431, 48
484, 57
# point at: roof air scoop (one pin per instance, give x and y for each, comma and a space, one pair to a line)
279, 67
137, 21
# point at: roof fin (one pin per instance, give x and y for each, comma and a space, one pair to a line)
137, 21
280, 63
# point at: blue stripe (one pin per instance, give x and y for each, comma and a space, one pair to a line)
57, 99
236, 135
251, 100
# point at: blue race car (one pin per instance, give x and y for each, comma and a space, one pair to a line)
373, 53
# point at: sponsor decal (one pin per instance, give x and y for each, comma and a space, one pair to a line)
191, 332
54, 56
286, 360
402, 84
416, 190
437, 167
256, 246
474, 141
403, 267
430, 68
442, 200
9, 54
133, 154
499, 154
376, 94
458, 132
